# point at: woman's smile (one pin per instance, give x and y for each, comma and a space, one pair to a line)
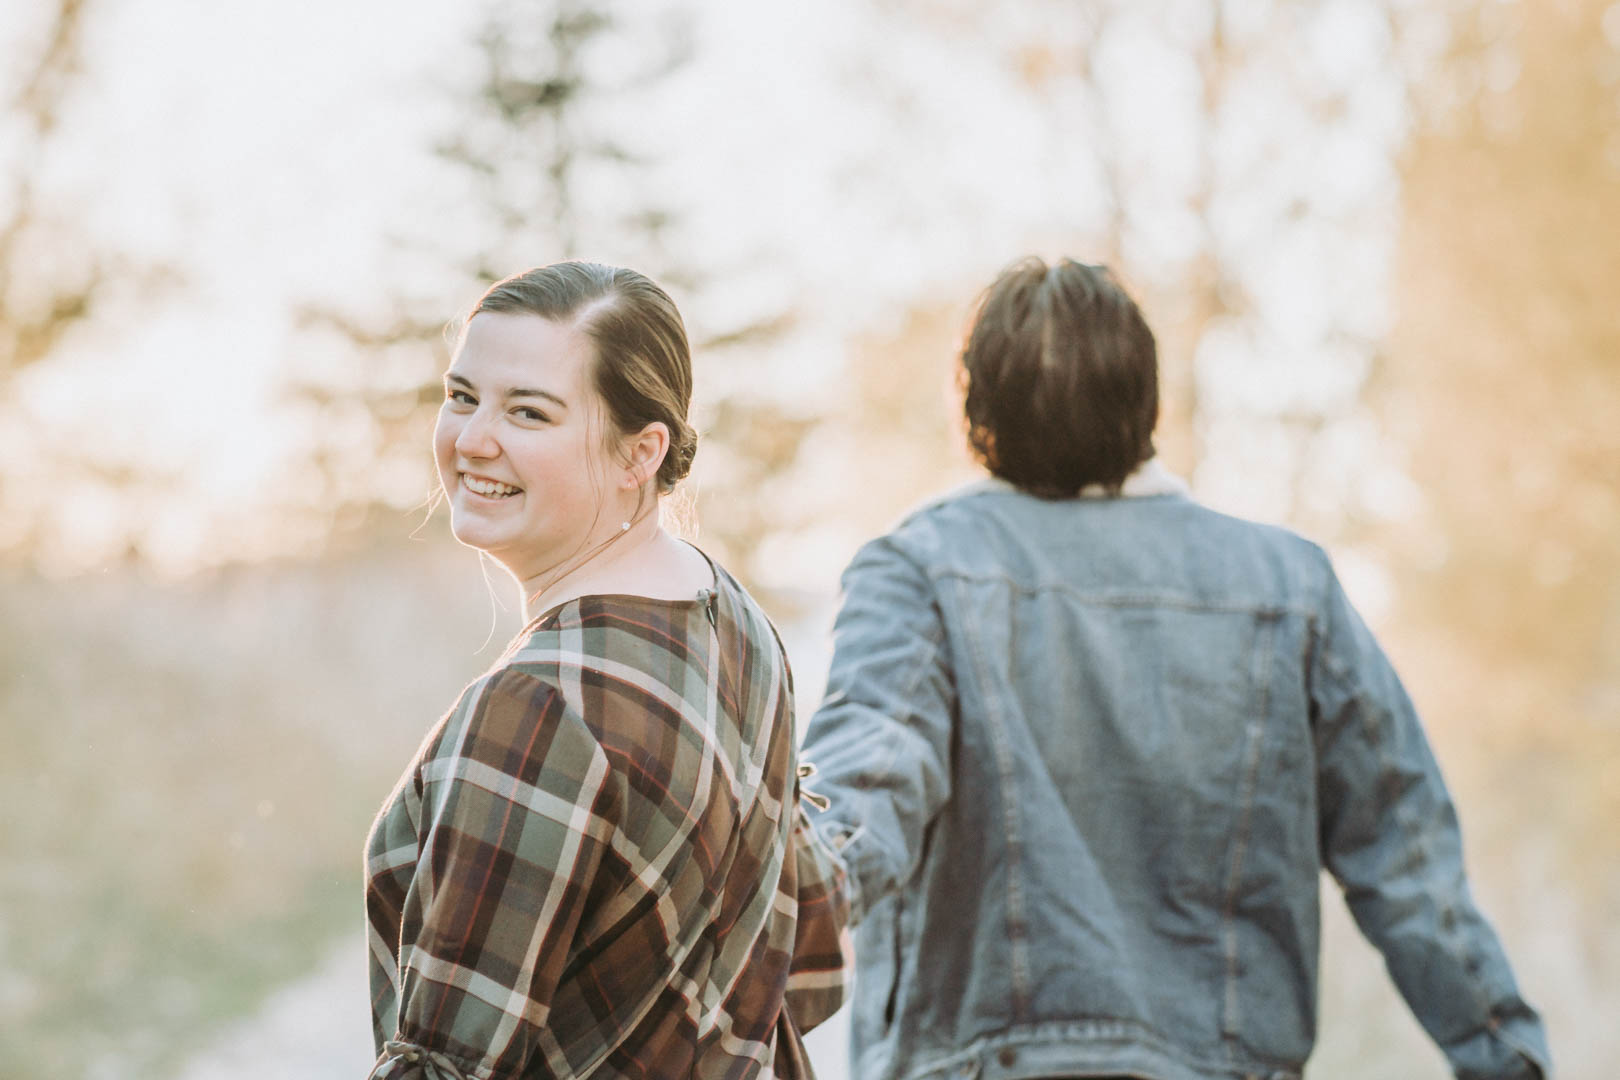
488, 489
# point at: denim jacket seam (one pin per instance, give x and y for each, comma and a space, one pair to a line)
1065, 1030
936, 633
1143, 599
1006, 771
1321, 624
1251, 772
1342, 674
936, 642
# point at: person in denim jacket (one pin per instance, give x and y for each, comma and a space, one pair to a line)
1089, 744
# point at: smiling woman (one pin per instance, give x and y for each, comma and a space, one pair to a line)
585, 378
598, 861
518, 464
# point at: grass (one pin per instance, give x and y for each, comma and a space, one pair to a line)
190, 771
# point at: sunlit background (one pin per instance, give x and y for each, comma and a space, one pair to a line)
1377, 238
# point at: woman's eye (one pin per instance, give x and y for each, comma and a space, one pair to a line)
531, 414
460, 397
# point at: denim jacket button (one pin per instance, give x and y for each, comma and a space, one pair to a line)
1007, 1056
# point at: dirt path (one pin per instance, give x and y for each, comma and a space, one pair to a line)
319, 1028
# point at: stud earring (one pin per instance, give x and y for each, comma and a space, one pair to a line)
625, 527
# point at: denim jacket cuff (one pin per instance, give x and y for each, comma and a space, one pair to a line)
1508, 1048
838, 836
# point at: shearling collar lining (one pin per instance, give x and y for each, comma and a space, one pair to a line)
1150, 478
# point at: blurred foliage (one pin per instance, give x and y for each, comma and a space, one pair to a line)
35, 313
521, 143
540, 144
191, 771
1220, 214
1239, 162
1506, 384
1503, 383
54, 276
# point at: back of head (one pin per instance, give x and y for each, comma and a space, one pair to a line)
643, 365
1062, 379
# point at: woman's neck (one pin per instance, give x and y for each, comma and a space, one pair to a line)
642, 560
574, 577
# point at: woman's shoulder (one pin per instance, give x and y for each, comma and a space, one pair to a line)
508, 710
607, 631
617, 659
736, 606
610, 630
659, 685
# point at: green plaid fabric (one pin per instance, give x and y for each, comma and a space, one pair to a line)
598, 864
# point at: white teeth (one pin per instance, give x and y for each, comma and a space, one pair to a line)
488, 488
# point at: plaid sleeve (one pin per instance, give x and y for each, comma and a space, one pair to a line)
518, 806
823, 954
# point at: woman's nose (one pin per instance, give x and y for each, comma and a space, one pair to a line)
477, 437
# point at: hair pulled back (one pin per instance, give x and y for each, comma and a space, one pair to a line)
643, 365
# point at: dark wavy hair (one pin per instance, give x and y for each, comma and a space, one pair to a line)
643, 368
1061, 379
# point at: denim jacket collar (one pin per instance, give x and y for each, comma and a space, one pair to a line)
1150, 478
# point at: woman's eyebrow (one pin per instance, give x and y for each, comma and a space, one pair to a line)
516, 391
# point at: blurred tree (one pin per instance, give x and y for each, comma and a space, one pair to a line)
41, 296
1507, 371
555, 172
1236, 163
526, 145
54, 277
1504, 380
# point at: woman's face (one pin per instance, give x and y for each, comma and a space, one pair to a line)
519, 443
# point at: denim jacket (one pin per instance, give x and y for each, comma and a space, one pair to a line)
1086, 760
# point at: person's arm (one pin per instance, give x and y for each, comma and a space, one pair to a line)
518, 806
1390, 837
881, 738
823, 955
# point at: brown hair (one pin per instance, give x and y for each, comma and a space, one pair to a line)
643, 368
1061, 379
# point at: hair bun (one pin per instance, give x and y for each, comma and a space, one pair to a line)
678, 461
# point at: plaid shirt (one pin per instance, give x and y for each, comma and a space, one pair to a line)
598, 865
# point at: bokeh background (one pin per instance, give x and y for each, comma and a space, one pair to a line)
1377, 238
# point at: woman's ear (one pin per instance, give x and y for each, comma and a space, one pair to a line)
644, 453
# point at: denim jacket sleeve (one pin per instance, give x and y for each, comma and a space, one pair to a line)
1390, 837
881, 738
